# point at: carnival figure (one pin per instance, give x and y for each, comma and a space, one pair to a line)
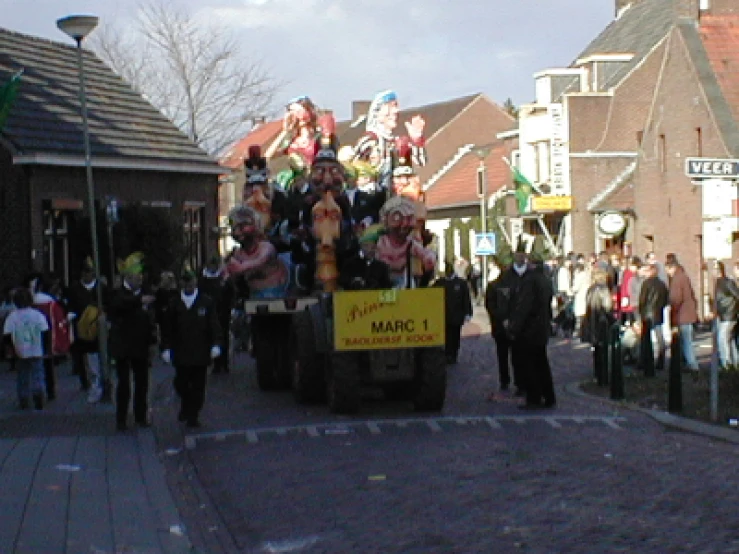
258, 193
377, 146
397, 247
407, 184
299, 131
256, 261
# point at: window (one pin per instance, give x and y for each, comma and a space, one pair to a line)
56, 242
516, 159
541, 152
639, 139
699, 142
193, 216
662, 153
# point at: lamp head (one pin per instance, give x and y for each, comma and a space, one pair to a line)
482, 151
77, 26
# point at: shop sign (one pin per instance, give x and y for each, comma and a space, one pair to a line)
611, 223
551, 203
377, 320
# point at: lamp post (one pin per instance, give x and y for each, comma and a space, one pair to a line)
78, 27
482, 153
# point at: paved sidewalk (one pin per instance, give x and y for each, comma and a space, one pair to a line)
71, 484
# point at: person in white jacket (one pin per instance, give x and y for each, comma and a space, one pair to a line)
580, 285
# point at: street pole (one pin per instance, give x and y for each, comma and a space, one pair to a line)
482, 190
78, 27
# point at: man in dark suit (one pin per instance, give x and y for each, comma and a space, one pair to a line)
364, 271
528, 328
458, 308
365, 206
191, 338
131, 334
497, 309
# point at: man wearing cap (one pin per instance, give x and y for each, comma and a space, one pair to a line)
378, 144
131, 334
365, 271
191, 338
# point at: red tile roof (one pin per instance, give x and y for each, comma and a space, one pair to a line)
262, 135
720, 36
458, 186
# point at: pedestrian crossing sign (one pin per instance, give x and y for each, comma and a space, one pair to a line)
484, 244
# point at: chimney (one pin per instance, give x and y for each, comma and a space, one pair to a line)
687, 9
258, 121
621, 5
359, 108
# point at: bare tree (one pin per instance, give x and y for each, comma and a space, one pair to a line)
510, 108
193, 72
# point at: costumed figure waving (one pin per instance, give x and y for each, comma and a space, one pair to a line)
377, 146
267, 275
299, 131
406, 183
259, 193
397, 247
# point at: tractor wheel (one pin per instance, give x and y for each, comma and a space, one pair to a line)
308, 382
343, 388
266, 358
430, 380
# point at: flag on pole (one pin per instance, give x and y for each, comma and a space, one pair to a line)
523, 187
7, 97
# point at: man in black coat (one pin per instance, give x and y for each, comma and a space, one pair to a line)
458, 307
212, 283
364, 271
528, 328
132, 333
191, 339
497, 306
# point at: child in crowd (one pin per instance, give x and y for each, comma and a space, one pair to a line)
27, 329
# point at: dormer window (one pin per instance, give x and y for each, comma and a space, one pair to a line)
601, 68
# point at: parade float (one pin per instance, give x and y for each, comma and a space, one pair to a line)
335, 261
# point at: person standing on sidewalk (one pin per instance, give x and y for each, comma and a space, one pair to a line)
683, 309
191, 338
458, 307
529, 329
131, 334
496, 304
653, 298
84, 314
727, 307
28, 331
213, 283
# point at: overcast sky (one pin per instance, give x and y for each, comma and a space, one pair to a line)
337, 51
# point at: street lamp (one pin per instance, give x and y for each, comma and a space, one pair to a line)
78, 27
482, 152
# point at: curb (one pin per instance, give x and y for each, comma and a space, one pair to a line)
665, 418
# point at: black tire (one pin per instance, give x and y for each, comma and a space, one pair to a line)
430, 380
306, 366
265, 356
400, 391
343, 388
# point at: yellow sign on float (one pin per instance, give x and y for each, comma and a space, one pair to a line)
381, 319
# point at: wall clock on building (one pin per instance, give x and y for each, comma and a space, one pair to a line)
611, 223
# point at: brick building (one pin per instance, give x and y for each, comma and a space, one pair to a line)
138, 157
659, 84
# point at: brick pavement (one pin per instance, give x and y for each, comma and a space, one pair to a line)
71, 484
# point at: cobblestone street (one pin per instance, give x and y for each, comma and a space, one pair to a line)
272, 476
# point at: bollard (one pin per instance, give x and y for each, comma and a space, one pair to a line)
675, 385
617, 368
646, 350
602, 352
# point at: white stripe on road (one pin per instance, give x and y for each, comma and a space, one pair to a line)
375, 427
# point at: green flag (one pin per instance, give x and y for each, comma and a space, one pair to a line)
523, 190
7, 96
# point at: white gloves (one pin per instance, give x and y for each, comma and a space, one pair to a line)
167, 356
215, 351
71, 316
